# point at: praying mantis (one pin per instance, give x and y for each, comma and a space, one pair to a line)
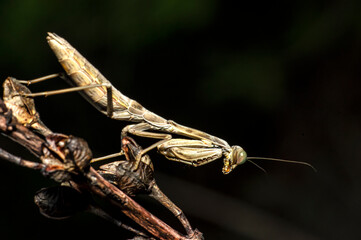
198, 148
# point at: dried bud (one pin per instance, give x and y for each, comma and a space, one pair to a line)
122, 173
60, 202
73, 151
23, 108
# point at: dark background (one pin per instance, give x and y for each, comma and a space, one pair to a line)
279, 78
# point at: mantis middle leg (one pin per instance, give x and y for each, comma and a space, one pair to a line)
141, 130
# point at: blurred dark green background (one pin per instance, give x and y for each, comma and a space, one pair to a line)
279, 78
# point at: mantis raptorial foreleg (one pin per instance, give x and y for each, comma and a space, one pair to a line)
191, 152
187, 151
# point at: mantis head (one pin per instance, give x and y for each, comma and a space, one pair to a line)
236, 157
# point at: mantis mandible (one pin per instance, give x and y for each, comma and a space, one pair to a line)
198, 149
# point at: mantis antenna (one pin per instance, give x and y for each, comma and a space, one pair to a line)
258, 166
280, 160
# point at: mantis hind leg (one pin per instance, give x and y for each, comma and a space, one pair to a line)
63, 76
40, 79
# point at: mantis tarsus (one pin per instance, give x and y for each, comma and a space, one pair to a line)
200, 148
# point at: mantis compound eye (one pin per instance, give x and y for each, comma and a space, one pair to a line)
239, 156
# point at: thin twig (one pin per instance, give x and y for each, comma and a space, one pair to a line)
96, 183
